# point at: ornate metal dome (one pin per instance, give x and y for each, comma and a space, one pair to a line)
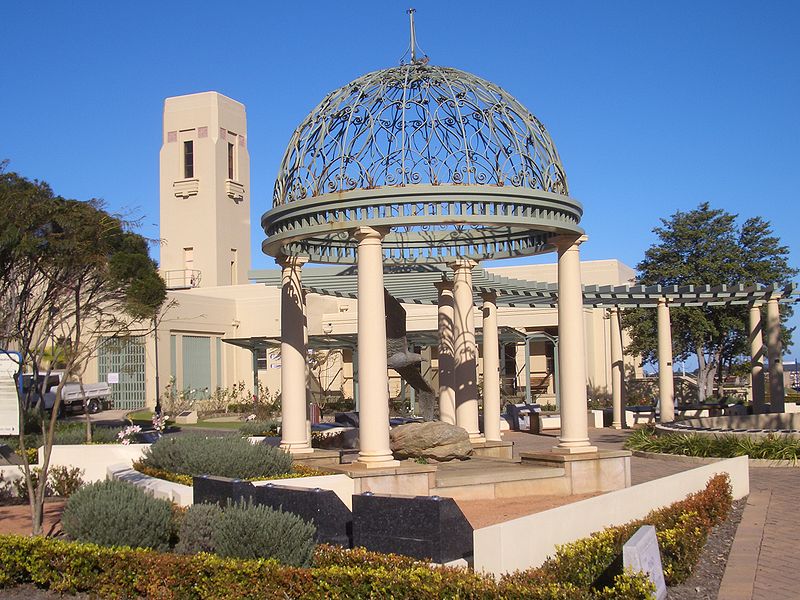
452, 164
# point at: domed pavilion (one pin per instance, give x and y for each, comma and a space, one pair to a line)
421, 165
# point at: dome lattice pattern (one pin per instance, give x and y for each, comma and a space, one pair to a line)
417, 124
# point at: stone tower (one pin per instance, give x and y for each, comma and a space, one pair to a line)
205, 192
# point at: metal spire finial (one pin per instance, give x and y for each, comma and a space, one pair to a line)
411, 12
413, 45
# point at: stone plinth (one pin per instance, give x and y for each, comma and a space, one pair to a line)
318, 458
431, 528
493, 449
404, 479
600, 471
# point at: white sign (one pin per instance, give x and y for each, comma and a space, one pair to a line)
112, 378
640, 553
9, 400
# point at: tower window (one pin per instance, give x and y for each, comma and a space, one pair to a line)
230, 161
188, 159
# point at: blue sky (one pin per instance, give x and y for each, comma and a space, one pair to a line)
654, 107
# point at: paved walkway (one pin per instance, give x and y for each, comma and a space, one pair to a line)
764, 563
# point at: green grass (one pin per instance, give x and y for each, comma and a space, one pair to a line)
144, 418
769, 447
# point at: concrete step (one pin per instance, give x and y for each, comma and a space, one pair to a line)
487, 479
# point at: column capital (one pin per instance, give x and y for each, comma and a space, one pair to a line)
489, 296
663, 300
773, 300
294, 261
445, 285
756, 304
364, 233
614, 309
462, 263
568, 242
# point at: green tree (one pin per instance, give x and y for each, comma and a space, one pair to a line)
706, 246
71, 272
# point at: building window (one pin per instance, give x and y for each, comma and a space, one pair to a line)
188, 159
230, 162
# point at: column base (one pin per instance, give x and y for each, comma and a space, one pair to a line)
376, 461
616, 426
476, 438
296, 448
573, 449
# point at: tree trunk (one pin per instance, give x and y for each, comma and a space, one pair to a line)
701, 376
86, 411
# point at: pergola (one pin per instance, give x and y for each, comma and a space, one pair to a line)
422, 168
418, 285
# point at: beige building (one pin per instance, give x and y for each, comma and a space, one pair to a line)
205, 257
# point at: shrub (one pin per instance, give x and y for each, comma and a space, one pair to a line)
196, 528
21, 486
6, 492
117, 513
769, 447
65, 481
259, 428
246, 530
224, 456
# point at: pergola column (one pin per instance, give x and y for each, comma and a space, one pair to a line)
774, 351
465, 350
373, 432
666, 383
491, 369
756, 359
447, 391
574, 438
294, 433
617, 370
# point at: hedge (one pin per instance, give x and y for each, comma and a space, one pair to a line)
681, 528
572, 574
116, 573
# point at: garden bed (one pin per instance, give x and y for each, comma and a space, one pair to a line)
714, 445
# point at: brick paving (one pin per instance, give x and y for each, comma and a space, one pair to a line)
778, 560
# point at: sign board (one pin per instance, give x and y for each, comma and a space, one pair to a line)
9, 400
640, 553
112, 378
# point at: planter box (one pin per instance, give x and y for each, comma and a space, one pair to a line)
94, 459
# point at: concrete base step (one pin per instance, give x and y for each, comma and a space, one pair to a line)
487, 479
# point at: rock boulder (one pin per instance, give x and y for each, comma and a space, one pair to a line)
432, 439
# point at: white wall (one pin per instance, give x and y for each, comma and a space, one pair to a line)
528, 541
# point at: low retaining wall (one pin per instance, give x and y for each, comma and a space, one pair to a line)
94, 459
528, 541
11, 473
183, 495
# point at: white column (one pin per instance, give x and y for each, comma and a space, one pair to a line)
373, 387
574, 438
491, 370
777, 397
294, 432
466, 351
447, 392
617, 371
756, 359
666, 383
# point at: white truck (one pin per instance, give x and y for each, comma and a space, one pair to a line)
73, 394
